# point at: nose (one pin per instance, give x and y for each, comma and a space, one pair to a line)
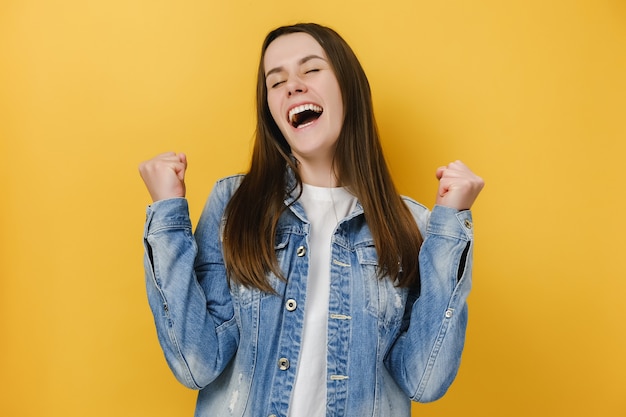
295, 86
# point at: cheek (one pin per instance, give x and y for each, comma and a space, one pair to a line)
339, 112
338, 101
274, 109
272, 103
279, 119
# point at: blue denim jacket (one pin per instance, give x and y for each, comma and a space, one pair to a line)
240, 346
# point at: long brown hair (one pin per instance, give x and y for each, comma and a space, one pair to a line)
253, 212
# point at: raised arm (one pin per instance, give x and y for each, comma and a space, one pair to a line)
426, 356
190, 301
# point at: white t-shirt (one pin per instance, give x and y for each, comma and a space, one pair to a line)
324, 208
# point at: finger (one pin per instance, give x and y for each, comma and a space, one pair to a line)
183, 160
169, 159
456, 169
452, 166
439, 172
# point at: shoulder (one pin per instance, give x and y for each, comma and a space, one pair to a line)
420, 212
225, 187
231, 181
223, 190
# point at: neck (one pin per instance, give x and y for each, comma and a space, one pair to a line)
317, 174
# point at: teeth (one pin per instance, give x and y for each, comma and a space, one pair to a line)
299, 109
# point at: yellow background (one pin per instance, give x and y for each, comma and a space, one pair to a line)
531, 94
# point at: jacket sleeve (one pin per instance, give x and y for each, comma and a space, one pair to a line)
425, 358
188, 290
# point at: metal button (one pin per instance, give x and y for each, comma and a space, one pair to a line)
272, 415
283, 364
448, 313
468, 224
301, 251
291, 304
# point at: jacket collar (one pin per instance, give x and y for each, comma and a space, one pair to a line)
292, 192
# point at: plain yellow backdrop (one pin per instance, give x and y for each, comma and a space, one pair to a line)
531, 94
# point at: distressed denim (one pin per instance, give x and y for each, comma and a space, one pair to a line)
239, 346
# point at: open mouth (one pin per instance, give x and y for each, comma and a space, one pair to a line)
304, 115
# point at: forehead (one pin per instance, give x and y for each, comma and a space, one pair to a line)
290, 48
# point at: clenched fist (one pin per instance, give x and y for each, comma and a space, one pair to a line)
458, 186
164, 175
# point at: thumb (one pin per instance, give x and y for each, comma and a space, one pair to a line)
181, 170
439, 172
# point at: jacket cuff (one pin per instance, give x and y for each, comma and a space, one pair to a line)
164, 214
447, 221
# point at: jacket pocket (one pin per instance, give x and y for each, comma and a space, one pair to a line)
383, 299
281, 247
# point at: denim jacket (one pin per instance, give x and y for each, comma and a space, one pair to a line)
240, 346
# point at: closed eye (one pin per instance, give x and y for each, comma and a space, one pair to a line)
277, 84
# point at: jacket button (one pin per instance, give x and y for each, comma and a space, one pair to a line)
468, 224
291, 304
449, 313
301, 251
283, 364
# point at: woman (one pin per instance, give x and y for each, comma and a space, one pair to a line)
308, 289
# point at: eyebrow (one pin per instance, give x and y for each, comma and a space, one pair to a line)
302, 61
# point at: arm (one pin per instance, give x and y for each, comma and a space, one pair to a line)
190, 301
426, 356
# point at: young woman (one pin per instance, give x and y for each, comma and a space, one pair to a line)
310, 287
